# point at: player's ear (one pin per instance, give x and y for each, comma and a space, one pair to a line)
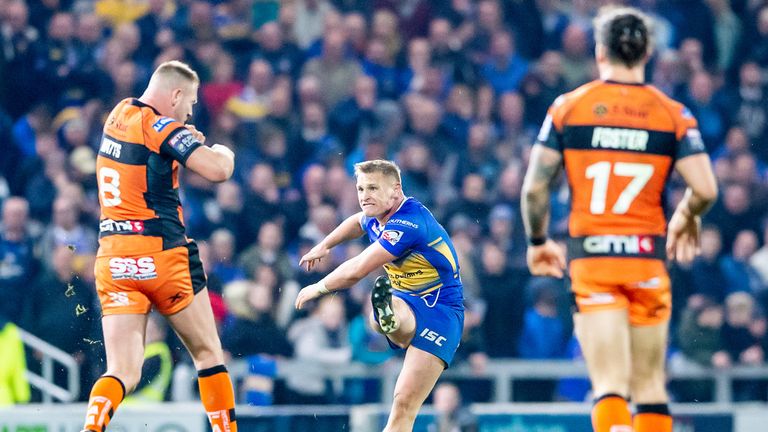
600, 52
176, 95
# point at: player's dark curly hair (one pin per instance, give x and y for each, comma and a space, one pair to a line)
625, 32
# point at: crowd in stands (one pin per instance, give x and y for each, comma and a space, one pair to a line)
454, 91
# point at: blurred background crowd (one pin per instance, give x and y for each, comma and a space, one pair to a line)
454, 91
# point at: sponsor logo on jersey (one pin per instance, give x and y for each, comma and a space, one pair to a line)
182, 141
131, 268
694, 139
620, 139
403, 222
600, 110
619, 244
392, 236
161, 123
113, 226
110, 148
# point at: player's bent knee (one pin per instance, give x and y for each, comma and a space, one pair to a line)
405, 404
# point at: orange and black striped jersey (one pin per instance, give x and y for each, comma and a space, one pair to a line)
619, 143
137, 169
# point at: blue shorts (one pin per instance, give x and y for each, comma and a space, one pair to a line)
439, 325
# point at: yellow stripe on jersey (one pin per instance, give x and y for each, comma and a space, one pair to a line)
442, 247
413, 274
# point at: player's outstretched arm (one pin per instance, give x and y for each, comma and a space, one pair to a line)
685, 223
348, 230
545, 257
347, 274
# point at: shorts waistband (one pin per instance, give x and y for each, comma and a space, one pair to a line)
631, 246
147, 227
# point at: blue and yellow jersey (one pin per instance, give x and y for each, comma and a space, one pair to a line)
426, 262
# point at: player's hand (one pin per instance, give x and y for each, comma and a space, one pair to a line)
314, 256
546, 260
308, 293
196, 133
683, 237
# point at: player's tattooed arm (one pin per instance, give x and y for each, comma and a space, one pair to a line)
543, 167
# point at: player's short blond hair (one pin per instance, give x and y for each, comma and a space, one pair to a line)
175, 70
388, 168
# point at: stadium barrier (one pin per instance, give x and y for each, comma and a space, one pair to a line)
45, 381
503, 373
188, 417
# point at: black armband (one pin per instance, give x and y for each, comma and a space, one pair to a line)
537, 241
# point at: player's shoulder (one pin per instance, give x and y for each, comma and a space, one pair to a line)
567, 101
413, 216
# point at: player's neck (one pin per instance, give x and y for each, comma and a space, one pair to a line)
383, 219
621, 74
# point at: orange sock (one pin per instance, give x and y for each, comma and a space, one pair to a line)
611, 414
218, 398
106, 394
653, 418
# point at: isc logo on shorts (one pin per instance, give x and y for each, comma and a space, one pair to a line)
130, 268
432, 337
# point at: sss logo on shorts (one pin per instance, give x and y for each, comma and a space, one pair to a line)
131, 268
432, 337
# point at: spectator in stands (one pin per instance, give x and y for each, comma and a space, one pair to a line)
356, 28
320, 340
66, 230
503, 291
734, 212
268, 250
700, 339
739, 276
14, 388
310, 20
18, 264
222, 244
251, 329
223, 85
333, 69
707, 275
416, 170
543, 336
20, 43
61, 310
284, 57
452, 416
578, 67
743, 332
473, 201
701, 100
504, 70
353, 120
252, 103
